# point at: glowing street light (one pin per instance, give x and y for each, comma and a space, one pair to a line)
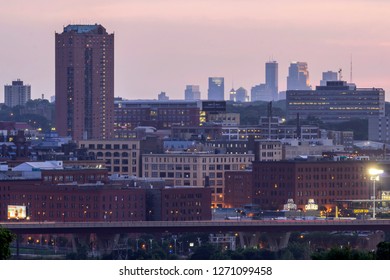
374, 176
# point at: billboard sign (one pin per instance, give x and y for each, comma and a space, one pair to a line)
17, 212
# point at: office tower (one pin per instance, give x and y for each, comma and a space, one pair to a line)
232, 95
242, 95
269, 90
298, 76
192, 93
258, 92
336, 102
163, 96
16, 94
328, 76
84, 82
271, 79
216, 88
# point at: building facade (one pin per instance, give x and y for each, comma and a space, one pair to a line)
242, 95
298, 76
216, 90
327, 182
16, 94
121, 157
195, 169
272, 79
225, 119
238, 189
87, 195
336, 102
379, 129
84, 82
178, 204
328, 76
192, 92
130, 114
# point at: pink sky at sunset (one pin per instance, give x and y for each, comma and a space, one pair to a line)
163, 45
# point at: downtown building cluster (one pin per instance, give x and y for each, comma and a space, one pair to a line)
176, 159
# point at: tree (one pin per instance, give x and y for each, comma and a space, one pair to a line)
204, 252
344, 253
383, 251
6, 237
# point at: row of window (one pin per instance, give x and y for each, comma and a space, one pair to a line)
189, 159
110, 146
115, 154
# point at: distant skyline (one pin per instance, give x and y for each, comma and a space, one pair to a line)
164, 45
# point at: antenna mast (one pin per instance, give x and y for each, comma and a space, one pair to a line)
340, 74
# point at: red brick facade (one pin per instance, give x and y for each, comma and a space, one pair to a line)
238, 188
324, 181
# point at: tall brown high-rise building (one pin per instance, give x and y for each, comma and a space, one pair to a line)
84, 75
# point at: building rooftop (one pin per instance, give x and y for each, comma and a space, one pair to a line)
85, 28
47, 165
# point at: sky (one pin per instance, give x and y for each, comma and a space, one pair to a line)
164, 45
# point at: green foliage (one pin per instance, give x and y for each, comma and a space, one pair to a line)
344, 253
204, 252
251, 112
358, 126
20, 114
210, 252
296, 251
6, 237
383, 251
82, 254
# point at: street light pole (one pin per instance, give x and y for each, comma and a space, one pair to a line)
374, 177
373, 199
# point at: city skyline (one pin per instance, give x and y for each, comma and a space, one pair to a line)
166, 45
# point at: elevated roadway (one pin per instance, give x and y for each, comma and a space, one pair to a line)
195, 226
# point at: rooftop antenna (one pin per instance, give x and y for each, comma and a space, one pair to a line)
340, 74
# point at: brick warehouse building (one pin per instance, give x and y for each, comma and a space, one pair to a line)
159, 114
195, 169
178, 204
324, 181
238, 188
87, 195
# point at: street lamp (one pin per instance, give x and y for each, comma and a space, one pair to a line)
374, 176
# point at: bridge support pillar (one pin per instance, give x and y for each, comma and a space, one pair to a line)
106, 242
277, 240
249, 239
80, 240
